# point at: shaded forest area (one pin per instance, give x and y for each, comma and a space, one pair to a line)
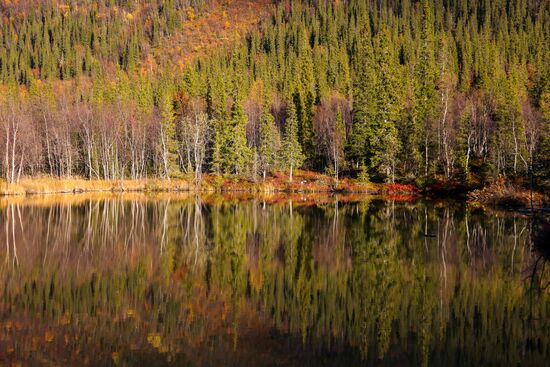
388, 91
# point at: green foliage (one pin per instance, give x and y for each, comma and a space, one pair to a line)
269, 141
66, 41
382, 131
364, 96
292, 154
434, 88
363, 175
236, 154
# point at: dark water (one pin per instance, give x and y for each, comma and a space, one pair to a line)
138, 281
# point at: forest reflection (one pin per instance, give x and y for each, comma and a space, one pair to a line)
210, 281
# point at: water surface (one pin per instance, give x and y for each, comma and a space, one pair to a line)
175, 280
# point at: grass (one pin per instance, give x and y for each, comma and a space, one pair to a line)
49, 185
506, 194
303, 182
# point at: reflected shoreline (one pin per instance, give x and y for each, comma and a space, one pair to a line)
208, 197
179, 279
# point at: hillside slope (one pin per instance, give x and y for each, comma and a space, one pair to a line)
223, 23
47, 39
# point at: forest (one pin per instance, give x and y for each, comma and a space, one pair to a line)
384, 91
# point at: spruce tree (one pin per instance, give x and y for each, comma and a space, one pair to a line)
237, 153
269, 141
216, 159
305, 97
384, 142
425, 88
364, 97
292, 150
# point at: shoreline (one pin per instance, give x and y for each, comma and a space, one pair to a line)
499, 195
306, 182
52, 186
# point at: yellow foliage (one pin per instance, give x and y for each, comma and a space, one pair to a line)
190, 13
116, 357
48, 336
8, 325
256, 279
65, 319
34, 343
155, 340
163, 349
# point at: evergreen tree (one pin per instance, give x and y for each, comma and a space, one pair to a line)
543, 158
269, 141
425, 89
304, 97
292, 150
216, 159
384, 143
237, 154
364, 97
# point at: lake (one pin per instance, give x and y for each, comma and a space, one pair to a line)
161, 280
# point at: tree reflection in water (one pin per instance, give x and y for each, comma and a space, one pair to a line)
209, 281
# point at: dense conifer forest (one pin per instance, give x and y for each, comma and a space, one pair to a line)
388, 91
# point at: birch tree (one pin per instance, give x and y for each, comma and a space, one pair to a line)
195, 136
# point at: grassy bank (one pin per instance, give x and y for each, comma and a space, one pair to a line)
505, 194
501, 194
303, 182
48, 185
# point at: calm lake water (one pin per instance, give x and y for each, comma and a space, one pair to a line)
173, 280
